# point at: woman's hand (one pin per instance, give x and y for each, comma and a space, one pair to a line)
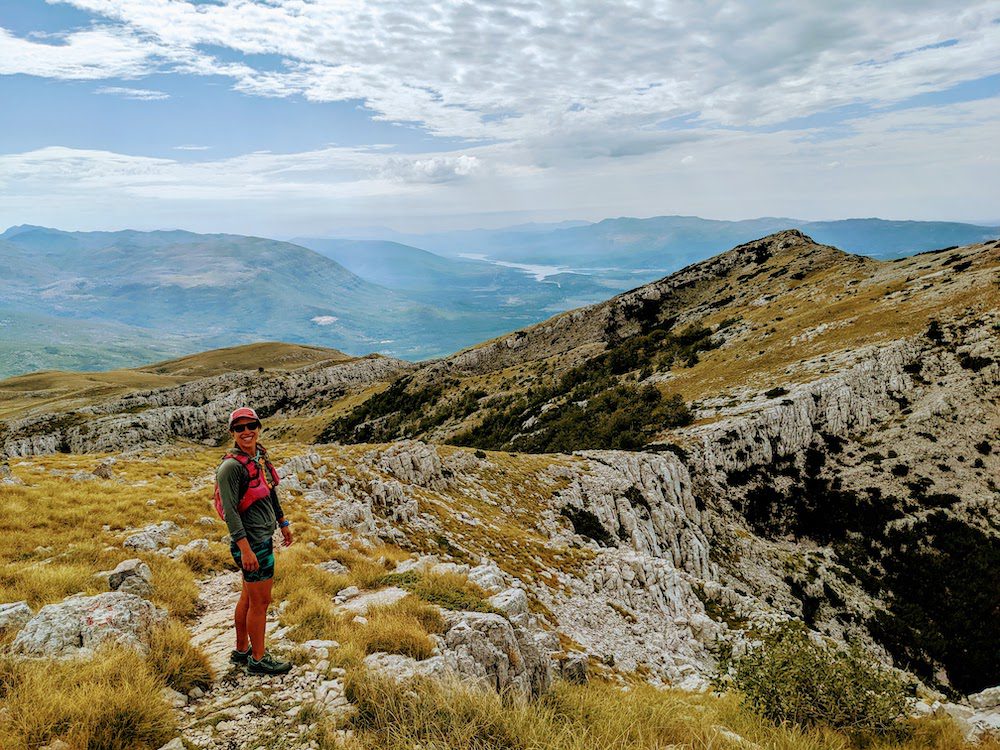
248, 559
286, 533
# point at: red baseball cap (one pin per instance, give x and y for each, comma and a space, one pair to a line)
243, 411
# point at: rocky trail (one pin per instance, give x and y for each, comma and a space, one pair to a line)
243, 711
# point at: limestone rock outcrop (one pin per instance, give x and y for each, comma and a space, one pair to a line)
78, 625
197, 410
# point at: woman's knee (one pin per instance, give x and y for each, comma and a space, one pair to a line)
260, 597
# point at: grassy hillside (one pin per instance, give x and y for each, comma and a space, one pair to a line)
54, 390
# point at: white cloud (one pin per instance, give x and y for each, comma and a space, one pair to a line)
146, 95
504, 70
191, 147
324, 320
576, 107
738, 175
431, 169
93, 54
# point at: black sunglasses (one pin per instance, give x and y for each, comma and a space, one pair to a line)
244, 427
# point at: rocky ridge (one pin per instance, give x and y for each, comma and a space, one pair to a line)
197, 410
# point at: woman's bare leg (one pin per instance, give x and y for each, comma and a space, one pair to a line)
242, 606
256, 617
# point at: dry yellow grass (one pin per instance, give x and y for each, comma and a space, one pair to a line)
599, 716
65, 530
110, 703
399, 629
173, 659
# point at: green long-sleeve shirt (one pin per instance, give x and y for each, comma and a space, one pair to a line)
258, 522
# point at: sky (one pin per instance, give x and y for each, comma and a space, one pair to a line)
285, 118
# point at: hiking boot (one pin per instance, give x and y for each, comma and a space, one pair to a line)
268, 665
239, 657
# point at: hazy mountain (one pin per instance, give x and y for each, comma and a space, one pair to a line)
215, 289
174, 292
670, 242
519, 296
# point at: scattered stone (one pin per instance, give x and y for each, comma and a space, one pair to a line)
511, 602
420, 564
174, 698
488, 577
175, 744
134, 568
152, 537
196, 692
988, 698
195, 545
333, 566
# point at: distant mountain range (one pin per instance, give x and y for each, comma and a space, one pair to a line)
96, 300
668, 243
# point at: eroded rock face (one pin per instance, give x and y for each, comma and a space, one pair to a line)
487, 647
645, 501
484, 649
79, 624
410, 461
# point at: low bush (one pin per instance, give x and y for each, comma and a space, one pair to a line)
791, 678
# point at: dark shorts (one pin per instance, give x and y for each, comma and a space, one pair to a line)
265, 556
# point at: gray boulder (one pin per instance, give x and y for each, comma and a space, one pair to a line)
79, 624
152, 537
134, 568
511, 601
195, 545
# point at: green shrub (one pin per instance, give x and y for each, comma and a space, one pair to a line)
791, 678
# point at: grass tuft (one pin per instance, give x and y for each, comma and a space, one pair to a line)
173, 658
448, 590
112, 702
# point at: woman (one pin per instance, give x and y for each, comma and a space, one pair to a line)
246, 499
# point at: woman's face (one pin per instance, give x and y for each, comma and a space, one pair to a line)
245, 438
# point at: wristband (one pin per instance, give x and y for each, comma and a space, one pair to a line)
283, 524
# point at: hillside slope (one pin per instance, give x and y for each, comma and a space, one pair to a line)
806, 434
